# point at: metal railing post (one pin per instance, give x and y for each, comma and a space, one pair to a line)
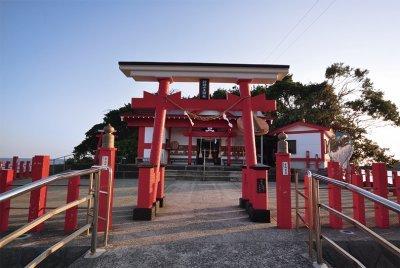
93, 244
317, 222
204, 165
109, 201
89, 202
310, 216
296, 187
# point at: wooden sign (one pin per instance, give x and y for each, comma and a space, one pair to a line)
204, 89
285, 168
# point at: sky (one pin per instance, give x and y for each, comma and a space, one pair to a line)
59, 59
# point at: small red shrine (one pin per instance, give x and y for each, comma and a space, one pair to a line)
200, 130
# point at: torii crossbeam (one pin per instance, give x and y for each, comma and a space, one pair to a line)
175, 101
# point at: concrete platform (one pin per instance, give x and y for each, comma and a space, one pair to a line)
201, 225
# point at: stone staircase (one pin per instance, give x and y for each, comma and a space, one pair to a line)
211, 173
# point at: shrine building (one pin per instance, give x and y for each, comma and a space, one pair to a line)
199, 134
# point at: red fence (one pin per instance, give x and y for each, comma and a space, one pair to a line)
375, 178
39, 169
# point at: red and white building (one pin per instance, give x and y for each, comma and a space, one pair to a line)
309, 144
203, 130
199, 130
186, 145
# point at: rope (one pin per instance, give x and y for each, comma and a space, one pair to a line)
202, 117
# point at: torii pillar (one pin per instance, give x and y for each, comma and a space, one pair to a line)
255, 188
151, 177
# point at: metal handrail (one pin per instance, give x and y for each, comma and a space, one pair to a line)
314, 217
92, 195
40, 183
367, 194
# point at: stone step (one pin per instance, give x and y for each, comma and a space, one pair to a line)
201, 178
200, 167
207, 173
203, 175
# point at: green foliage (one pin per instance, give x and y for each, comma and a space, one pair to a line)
221, 93
126, 139
316, 103
346, 101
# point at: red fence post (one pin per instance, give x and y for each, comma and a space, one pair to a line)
396, 184
27, 169
379, 173
283, 192
21, 169
107, 158
358, 200
283, 187
71, 215
40, 170
6, 180
335, 194
15, 165
368, 182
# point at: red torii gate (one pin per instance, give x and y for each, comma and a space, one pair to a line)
151, 176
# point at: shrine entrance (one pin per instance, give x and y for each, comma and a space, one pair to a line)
231, 116
208, 151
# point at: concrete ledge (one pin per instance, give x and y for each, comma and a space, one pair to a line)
260, 215
143, 214
243, 202
98, 253
160, 202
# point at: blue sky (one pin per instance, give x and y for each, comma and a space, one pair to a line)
58, 59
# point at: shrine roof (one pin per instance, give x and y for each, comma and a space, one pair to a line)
178, 114
293, 128
194, 71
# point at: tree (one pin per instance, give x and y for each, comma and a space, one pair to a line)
220, 93
362, 107
126, 140
346, 101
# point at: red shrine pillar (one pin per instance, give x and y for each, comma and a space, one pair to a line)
150, 179
256, 175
